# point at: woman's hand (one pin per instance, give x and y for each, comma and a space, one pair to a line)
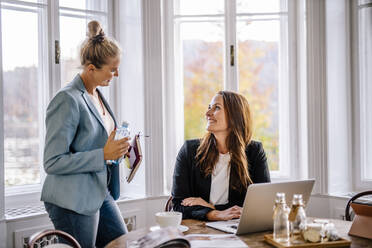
115, 149
196, 201
227, 214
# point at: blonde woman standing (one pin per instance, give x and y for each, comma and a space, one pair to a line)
80, 189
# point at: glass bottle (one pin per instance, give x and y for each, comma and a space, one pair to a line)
121, 132
297, 216
281, 223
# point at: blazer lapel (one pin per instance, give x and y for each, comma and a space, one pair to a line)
78, 82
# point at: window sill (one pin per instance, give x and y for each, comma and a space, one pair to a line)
24, 212
31, 211
22, 190
345, 196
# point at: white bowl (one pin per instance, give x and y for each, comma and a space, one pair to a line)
165, 219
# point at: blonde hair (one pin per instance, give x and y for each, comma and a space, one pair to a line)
97, 47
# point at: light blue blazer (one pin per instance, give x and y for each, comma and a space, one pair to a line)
77, 176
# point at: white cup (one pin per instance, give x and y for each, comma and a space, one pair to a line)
165, 219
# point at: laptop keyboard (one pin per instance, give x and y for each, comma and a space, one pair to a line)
226, 226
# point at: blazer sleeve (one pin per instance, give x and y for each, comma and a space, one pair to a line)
261, 172
181, 188
62, 120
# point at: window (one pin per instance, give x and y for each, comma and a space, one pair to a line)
27, 70
364, 20
262, 67
24, 82
235, 45
73, 16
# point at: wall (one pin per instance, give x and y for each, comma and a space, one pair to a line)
17, 229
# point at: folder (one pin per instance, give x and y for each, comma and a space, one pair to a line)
134, 160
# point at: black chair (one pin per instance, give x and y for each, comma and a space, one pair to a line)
169, 205
348, 215
51, 237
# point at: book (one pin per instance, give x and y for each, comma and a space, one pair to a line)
172, 237
132, 163
161, 238
215, 241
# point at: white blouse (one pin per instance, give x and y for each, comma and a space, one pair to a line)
106, 118
220, 181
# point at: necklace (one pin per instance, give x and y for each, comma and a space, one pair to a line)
100, 101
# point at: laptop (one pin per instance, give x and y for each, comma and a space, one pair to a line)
257, 212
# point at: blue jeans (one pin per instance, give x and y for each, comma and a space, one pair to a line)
90, 231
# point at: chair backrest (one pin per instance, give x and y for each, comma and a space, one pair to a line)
352, 199
169, 205
50, 238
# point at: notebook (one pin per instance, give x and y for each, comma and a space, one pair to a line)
134, 160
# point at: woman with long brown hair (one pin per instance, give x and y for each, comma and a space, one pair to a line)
212, 175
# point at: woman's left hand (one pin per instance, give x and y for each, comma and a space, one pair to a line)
196, 201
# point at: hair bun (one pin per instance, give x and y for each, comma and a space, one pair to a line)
95, 31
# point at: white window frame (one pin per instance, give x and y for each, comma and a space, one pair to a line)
290, 167
43, 75
360, 147
50, 72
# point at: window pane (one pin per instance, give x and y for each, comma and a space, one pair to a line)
29, 1
97, 5
72, 34
258, 65
267, 6
202, 47
22, 109
365, 55
197, 7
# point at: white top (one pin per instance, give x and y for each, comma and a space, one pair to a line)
106, 118
220, 181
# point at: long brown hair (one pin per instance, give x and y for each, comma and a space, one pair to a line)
239, 123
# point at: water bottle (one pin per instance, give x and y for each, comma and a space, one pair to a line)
297, 216
281, 223
121, 132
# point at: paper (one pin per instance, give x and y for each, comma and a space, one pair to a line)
215, 240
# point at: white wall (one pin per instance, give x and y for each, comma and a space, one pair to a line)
16, 229
3, 234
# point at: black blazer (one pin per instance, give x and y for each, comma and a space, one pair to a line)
189, 180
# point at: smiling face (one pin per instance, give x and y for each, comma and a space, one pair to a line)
104, 75
216, 116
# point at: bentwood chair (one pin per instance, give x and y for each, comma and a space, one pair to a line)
52, 238
169, 205
348, 214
